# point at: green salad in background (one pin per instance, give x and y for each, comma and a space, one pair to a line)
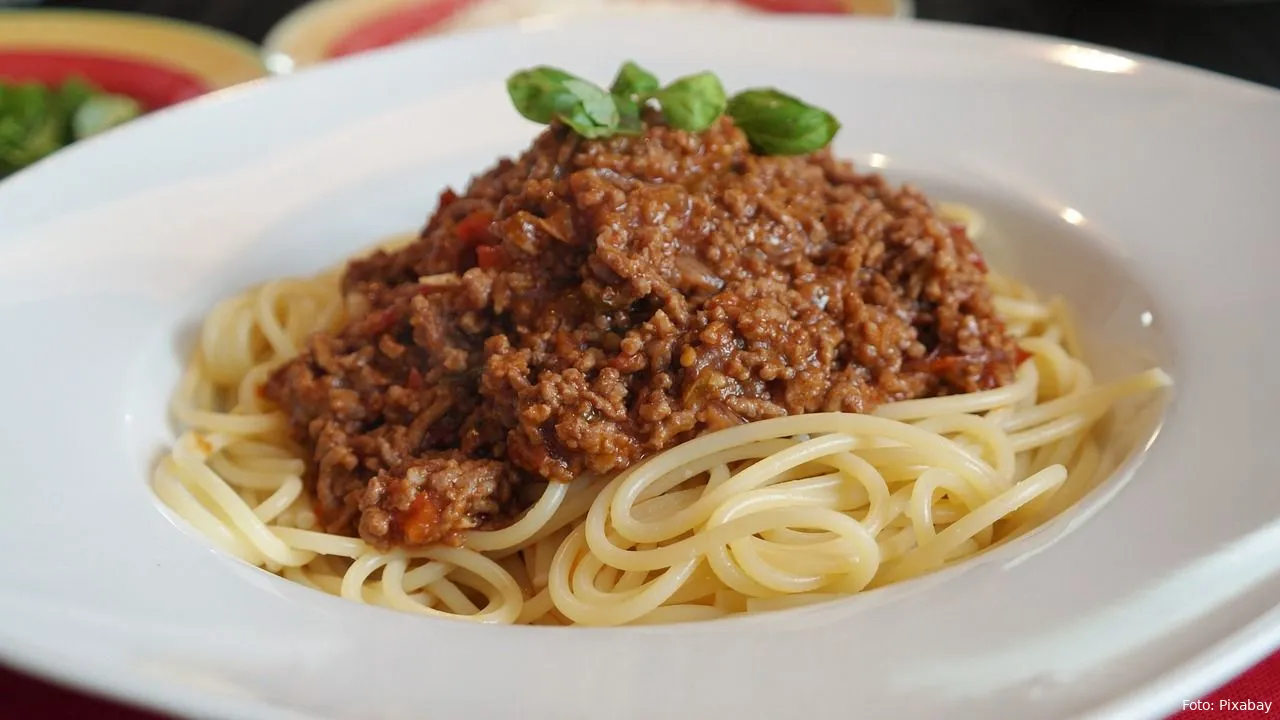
36, 119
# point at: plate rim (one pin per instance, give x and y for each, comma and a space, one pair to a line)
1254, 639
233, 60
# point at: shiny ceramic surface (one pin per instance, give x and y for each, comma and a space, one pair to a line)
1143, 192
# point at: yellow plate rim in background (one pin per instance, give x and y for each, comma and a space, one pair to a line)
304, 36
217, 58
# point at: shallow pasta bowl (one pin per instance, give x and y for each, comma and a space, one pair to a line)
1137, 190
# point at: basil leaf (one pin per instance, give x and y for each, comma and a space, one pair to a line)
596, 103
630, 122
539, 93
634, 82
584, 125
694, 102
779, 124
631, 89
544, 94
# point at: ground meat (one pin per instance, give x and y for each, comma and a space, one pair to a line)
432, 499
593, 302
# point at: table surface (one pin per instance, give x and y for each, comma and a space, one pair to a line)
1236, 37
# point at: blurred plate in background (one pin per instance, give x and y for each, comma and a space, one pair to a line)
328, 29
156, 61
68, 75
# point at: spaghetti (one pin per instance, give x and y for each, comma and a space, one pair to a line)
766, 515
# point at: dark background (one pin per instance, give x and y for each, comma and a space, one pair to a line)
1237, 37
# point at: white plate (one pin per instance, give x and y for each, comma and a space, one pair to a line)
1143, 191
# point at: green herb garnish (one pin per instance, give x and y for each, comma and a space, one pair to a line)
36, 120
779, 124
693, 103
634, 82
543, 94
631, 89
775, 123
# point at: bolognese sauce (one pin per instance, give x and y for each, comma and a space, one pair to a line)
593, 302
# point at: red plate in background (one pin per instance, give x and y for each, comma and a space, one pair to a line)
156, 61
327, 29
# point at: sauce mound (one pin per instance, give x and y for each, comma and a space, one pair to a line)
594, 302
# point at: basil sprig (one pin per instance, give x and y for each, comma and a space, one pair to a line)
542, 94
631, 89
634, 82
779, 124
775, 123
693, 103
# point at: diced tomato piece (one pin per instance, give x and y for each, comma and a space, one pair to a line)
474, 228
419, 520
490, 257
945, 364
1020, 356
414, 382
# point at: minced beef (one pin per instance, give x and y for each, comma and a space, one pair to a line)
594, 302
